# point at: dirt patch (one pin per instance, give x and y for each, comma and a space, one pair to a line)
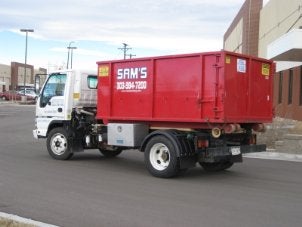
277, 129
5, 222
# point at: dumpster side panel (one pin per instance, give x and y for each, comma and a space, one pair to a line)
132, 86
261, 91
177, 89
236, 84
213, 88
248, 89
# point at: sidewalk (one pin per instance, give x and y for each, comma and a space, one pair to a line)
272, 155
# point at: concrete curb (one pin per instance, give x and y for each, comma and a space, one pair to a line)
14, 220
275, 156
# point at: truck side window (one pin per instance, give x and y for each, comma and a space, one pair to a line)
54, 86
92, 81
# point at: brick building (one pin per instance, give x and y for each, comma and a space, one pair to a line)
12, 76
273, 31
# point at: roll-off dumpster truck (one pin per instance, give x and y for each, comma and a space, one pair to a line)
179, 110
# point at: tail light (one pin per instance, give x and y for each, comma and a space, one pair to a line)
253, 139
202, 143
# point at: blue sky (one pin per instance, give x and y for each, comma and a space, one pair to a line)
98, 29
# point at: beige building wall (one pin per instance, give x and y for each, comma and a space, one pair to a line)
243, 34
5, 77
278, 17
234, 40
28, 78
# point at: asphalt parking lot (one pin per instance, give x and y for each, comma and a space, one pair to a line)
90, 190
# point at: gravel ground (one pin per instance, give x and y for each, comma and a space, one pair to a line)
276, 130
11, 223
10, 220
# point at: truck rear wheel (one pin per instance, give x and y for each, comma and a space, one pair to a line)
58, 145
110, 153
216, 166
160, 157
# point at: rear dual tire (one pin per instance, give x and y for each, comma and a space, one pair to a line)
216, 166
112, 152
160, 157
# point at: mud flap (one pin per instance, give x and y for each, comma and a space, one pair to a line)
187, 162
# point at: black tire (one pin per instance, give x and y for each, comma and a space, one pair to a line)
160, 157
58, 144
111, 153
216, 166
3, 98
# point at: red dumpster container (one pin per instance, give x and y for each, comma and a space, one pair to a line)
197, 90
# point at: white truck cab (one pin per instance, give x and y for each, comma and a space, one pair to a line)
62, 93
58, 98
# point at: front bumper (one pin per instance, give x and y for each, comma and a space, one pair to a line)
35, 134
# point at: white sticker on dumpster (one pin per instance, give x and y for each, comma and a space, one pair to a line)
241, 65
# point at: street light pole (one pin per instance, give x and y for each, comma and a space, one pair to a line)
70, 53
26, 31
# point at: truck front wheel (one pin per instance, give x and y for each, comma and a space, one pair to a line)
160, 157
58, 145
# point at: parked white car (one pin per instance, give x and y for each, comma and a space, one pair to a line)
29, 92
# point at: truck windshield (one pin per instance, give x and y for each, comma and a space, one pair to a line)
54, 86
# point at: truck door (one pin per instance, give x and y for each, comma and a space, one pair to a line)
50, 106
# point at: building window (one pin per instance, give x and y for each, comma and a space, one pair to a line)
290, 87
280, 88
300, 100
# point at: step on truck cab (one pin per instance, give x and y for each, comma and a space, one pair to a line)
179, 110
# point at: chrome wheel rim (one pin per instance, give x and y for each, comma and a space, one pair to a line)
58, 144
159, 156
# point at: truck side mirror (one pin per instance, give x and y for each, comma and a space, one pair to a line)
37, 84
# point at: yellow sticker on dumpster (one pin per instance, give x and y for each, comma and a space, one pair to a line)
265, 69
104, 70
228, 59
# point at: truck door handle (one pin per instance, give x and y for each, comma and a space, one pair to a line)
60, 110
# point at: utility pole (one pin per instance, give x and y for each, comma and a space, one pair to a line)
125, 48
26, 34
131, 55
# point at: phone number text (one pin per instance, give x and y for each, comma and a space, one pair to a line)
131, 85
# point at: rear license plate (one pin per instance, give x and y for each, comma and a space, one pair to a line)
235, 150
